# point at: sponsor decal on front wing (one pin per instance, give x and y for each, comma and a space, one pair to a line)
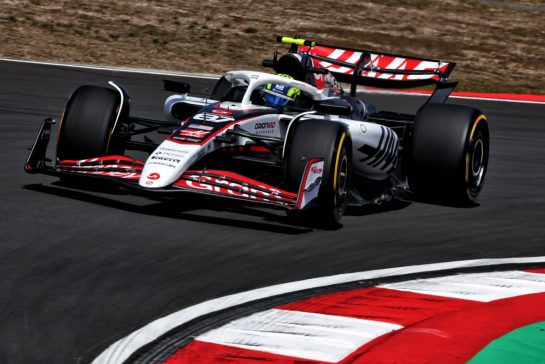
234, 185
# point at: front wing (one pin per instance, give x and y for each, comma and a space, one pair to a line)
126, 171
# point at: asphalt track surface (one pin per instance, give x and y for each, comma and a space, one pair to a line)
82, 268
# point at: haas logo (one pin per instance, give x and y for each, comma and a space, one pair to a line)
194, 133
154, 176
315, 169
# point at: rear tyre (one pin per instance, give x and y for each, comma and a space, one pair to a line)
449, 153
86, 128
330, 141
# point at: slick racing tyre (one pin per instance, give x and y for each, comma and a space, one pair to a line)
449, 153
86, 128
330, 141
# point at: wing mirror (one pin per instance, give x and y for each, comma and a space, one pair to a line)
328, 107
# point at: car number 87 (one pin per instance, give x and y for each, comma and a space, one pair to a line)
212, 117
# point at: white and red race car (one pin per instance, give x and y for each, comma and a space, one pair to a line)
293, 139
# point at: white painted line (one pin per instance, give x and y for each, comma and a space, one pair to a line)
146, 71
484, 287
298, 334
125, 347
209, 76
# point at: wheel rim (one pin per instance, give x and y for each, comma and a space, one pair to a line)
477, 164
342, 185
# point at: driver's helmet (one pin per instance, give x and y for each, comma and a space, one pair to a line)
277, 95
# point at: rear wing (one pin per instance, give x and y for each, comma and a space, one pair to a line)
370, 68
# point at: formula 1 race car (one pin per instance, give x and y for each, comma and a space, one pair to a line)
293, 139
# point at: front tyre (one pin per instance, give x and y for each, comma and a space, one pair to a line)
330, 141
86, 128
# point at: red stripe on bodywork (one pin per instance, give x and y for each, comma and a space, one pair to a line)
304, 180
453, 337
217, 189
102, 159
210, 136
115, 166
208, 353
246, 148
100, 167
236, 178
232, 185
537, 270
380, 304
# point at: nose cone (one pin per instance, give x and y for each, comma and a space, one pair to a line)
167, 163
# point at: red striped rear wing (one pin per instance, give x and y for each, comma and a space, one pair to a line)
372, 68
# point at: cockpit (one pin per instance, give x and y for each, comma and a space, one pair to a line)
262, 89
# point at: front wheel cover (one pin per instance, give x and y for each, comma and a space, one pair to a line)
330, 141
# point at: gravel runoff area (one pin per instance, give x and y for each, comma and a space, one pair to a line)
499, 45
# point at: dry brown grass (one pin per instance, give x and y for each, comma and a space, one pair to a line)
497, 48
